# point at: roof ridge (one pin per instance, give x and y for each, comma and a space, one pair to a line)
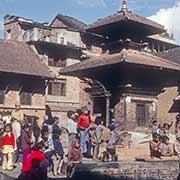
72, 18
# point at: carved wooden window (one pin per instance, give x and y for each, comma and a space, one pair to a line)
2, 94
25, 95
26, 98
141, 115
57, 88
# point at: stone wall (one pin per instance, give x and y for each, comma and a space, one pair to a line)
128, 170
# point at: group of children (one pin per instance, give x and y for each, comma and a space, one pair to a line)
160, 144
85, 136
45, 153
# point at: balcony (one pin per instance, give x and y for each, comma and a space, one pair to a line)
45, 35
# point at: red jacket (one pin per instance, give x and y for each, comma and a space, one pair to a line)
7, 139
34, 155
83, 121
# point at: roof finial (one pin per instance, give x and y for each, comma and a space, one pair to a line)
124, 6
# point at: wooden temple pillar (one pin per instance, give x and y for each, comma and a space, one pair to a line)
107, 95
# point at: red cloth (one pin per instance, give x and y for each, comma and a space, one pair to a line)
7, 139
83, 121
34, 155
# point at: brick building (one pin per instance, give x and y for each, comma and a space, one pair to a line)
118, 79
127, 70
23, 78
58, 45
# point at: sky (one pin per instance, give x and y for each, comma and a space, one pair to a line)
166, 12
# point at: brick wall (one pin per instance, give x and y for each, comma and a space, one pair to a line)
14, 31
37, 108
125, 111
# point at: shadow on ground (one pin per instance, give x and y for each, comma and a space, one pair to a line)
58, 178
91, 176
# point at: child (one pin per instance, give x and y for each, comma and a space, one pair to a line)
6, 117
111, 146
155, 150
7, 145
56, 129
38, 155
74, 156
166, 149
48, 147
97, 137
112, 125
160, 131
59, 153
71, 127
176, 146
177, 124
25, 142
35, 172
154, 127
166, 128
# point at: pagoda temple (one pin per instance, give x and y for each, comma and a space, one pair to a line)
128, 78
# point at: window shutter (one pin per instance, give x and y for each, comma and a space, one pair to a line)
141, 114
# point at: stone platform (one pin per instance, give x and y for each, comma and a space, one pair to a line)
132, 170
123, 170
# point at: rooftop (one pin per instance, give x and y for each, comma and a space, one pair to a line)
125, 56
12, 18
19, 58
171, 54
71, 23
164, 37
126, 18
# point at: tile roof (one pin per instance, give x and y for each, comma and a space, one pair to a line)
19, 58
171, 54
125, 56
71, 22
125, 16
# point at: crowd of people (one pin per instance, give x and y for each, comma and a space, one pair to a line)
41, 147
160, 144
